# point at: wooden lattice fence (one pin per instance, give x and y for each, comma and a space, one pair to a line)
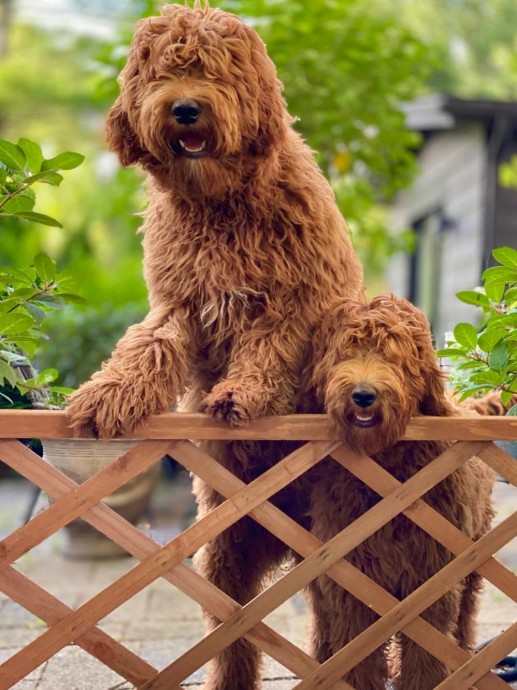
169, 434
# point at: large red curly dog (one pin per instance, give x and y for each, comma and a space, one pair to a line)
245, 250
375, 368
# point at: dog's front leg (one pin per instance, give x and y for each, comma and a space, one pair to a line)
263, 374
146, 373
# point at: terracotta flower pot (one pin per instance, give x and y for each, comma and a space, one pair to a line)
79, 459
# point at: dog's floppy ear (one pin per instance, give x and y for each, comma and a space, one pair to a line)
121, 137
434, 400
273, 119
333, 339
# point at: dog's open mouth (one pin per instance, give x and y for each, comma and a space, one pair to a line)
363, 420
191, 145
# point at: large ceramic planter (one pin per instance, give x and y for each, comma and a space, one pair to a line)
79, 459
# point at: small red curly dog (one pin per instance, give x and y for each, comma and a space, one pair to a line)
375, 368
244, 251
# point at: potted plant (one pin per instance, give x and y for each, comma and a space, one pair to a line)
26, 296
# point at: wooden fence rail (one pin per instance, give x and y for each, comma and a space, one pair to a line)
173, 434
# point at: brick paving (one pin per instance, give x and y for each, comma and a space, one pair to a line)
160, 623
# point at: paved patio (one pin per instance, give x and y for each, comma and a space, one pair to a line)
160, 623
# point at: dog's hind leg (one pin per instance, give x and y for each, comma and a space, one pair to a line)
419, 669
237, 562
339, 618
321, 622
468, 609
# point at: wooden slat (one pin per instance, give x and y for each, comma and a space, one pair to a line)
193, 585
487, 658
501, 462
177, 425
76, 502
316, 564
421, 513
156, 564
96, 642
383, 629
357, 583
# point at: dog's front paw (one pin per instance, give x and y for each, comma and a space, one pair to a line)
102, 409
228, 403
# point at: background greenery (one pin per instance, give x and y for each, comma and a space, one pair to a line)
346, 64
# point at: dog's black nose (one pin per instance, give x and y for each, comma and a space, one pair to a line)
364, 395
186, 111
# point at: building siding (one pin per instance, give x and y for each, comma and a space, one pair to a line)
453, 168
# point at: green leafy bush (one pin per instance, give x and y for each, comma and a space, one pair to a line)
28, 294
485, 358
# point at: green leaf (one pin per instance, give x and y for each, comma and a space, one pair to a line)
33, 153
19, 204
506, 396
472, 297
7, 373
489, 339
512, 412
37, 313
469, 392
451, 352
51, 301
62, 390
15, 273
40, 218
465, 334
498, 358
46, 376
14, 324
12, 156
494, 292
488, 378
24, 293
70, 297
50, 177
472, 364
506, 256
45, 267
65, 161
504, 321
498, 275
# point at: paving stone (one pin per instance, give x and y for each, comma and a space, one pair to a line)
160, 653
14, 614
20, 636
73, 669
160, 630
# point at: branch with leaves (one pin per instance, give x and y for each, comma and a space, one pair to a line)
28, 294
485, 358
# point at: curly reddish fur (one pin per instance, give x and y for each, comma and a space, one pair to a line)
245, 250
386, 345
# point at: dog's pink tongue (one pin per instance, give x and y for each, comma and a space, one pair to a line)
192, 141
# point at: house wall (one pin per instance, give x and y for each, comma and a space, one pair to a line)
505, 225
452, 179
